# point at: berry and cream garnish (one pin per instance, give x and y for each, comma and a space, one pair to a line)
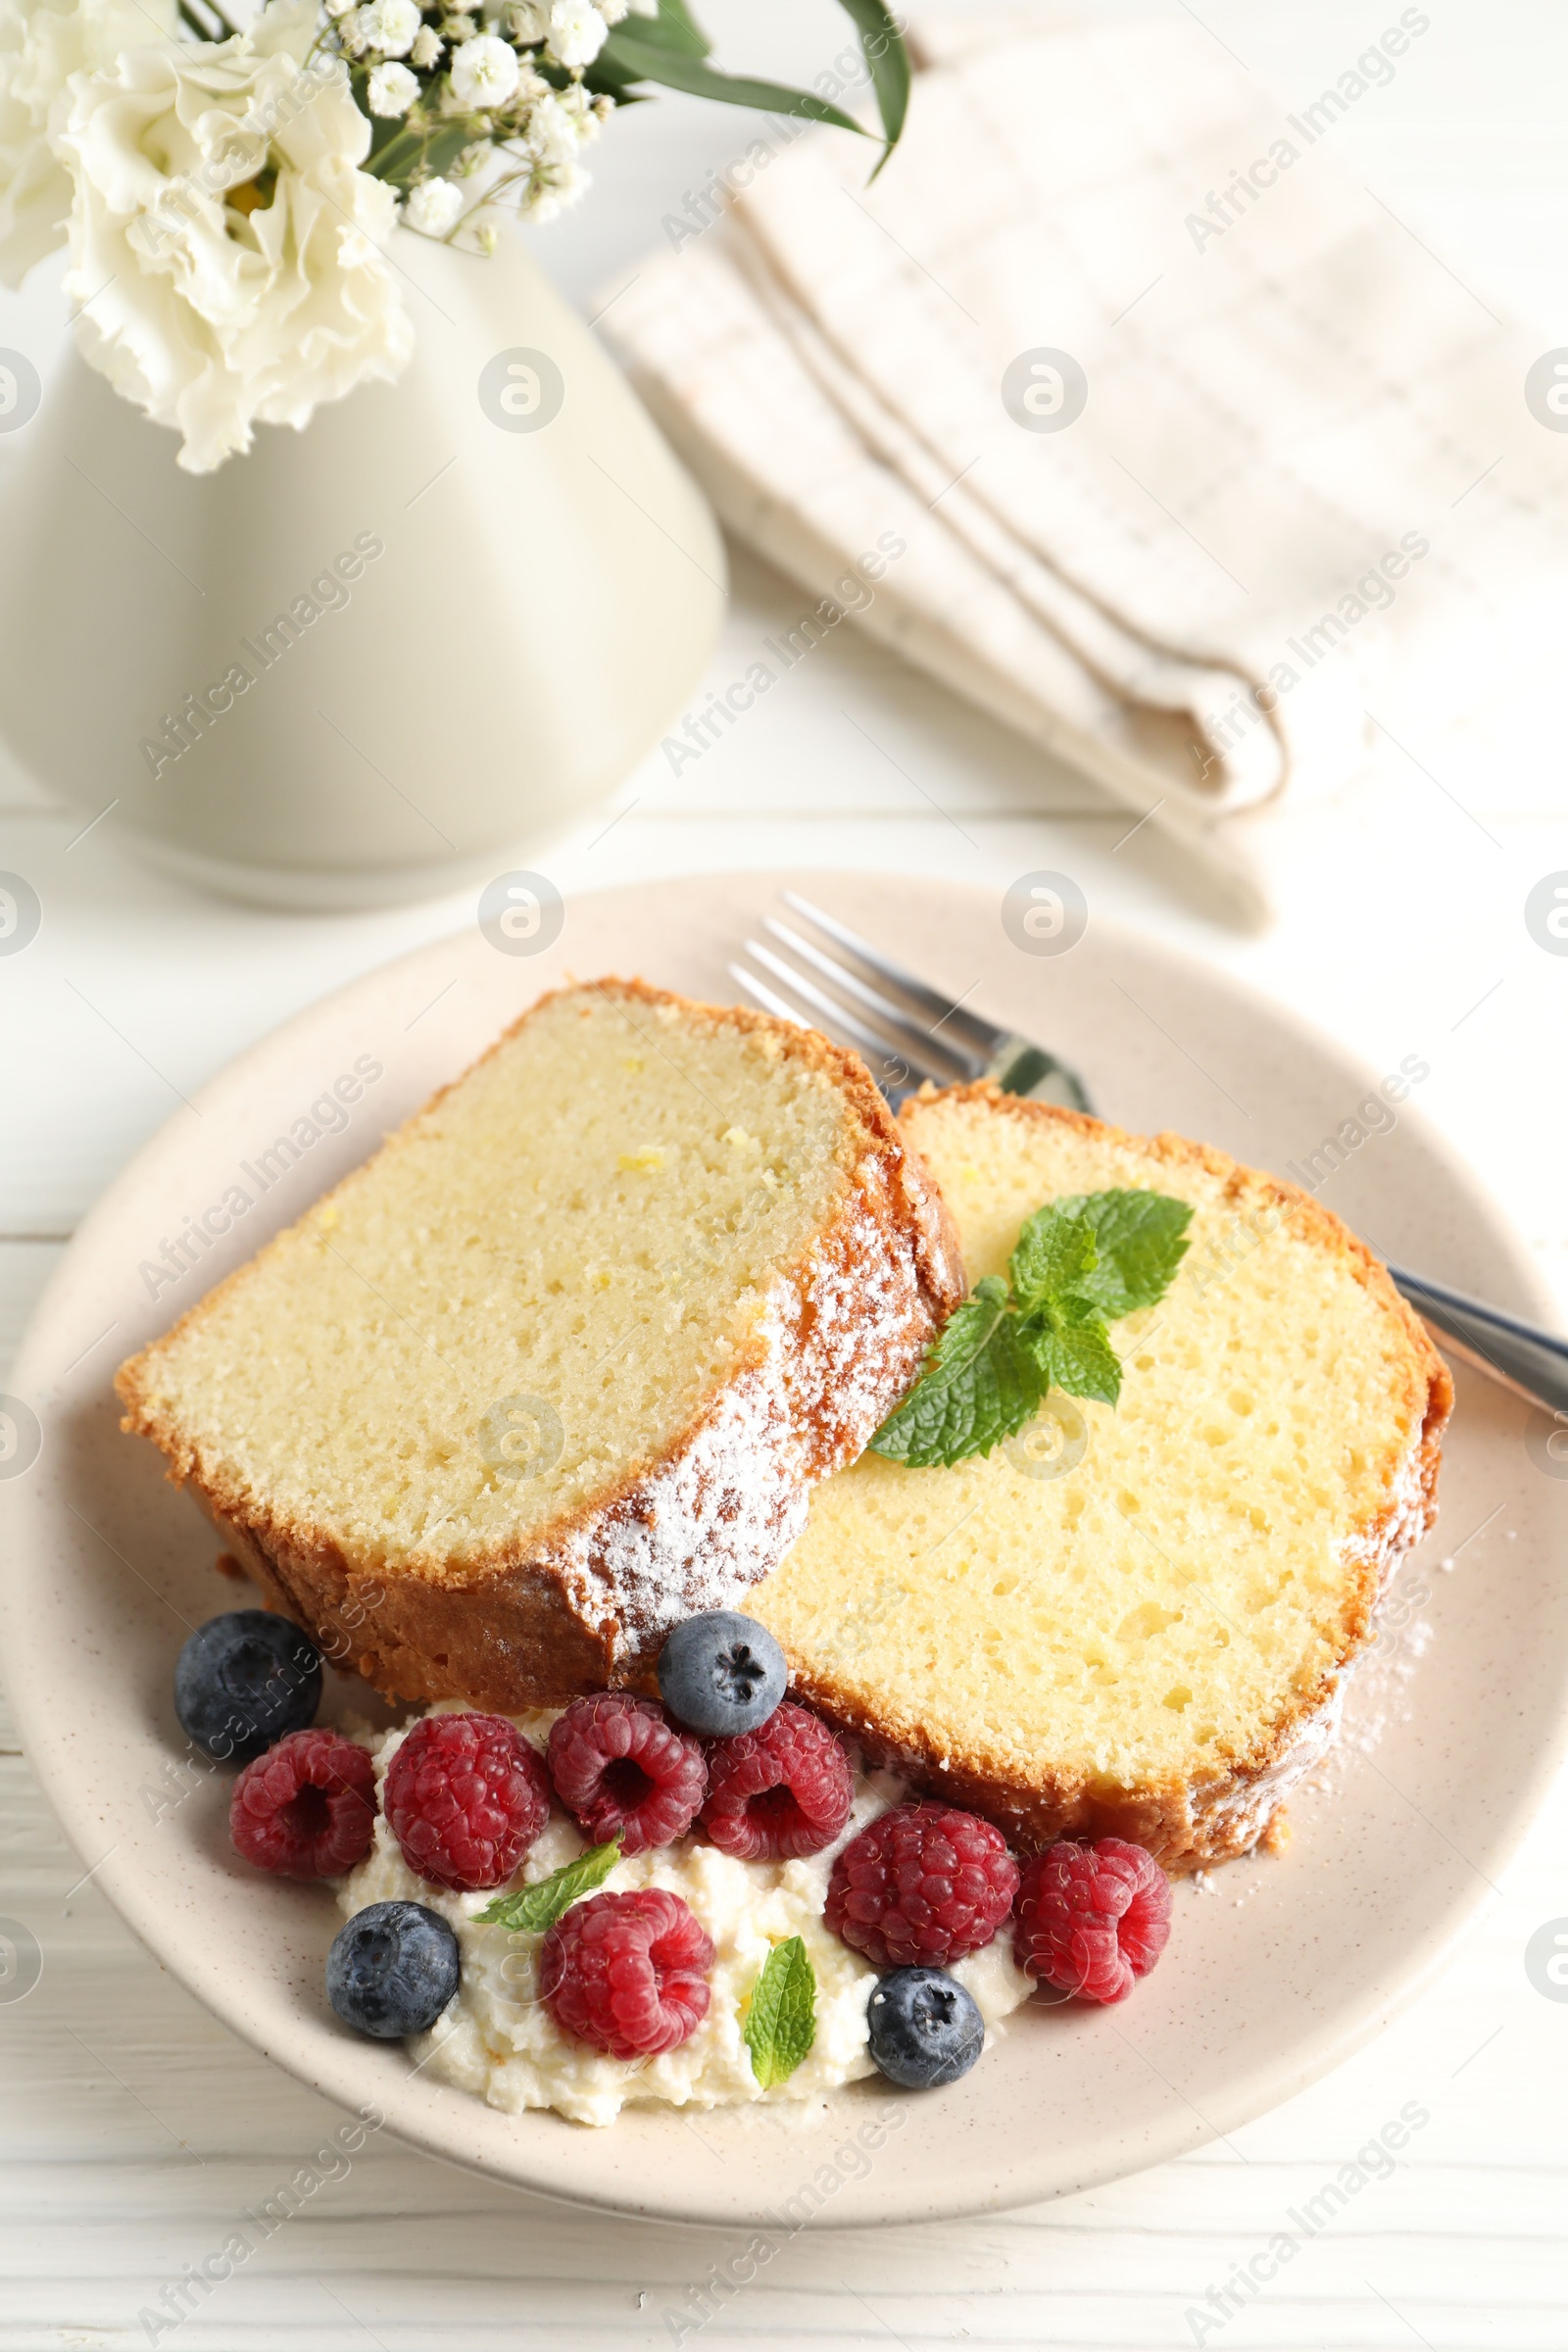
698, 1899
680, 1971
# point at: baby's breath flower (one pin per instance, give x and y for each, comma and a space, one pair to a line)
388, 26
434, 208
484, 70
581, 110
552, 132
426, 46
577, 32
393, 90
458, 28
552, 186
528, 20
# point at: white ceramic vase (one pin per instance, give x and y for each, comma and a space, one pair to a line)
379, 658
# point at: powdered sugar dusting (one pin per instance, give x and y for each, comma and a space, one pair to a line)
842, 1338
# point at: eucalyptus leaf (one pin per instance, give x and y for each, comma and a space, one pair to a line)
888, 64
630, 58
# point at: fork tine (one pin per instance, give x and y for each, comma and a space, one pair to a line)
969, 1065
849, 1023
986, 1035
766, 997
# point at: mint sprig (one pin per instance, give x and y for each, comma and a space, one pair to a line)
1080, 1263
532, 1909
782, 2023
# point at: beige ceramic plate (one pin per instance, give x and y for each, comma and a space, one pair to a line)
105, 1565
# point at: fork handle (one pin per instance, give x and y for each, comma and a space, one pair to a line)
1533, 1364
1018, 1067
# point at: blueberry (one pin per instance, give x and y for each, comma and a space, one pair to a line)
392, 1970
925, 2028
721, 1673
244, 1680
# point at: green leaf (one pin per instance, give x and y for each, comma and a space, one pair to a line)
1140, 1239
627, 57
1078, 1261
421, 152
781, 2021
978, 1386
1055, 1252
1077, 1358
532, 1909
887, 62
674, 27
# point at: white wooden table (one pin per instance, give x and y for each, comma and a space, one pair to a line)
132, 2127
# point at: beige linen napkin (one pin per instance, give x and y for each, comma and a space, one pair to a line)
1304, 487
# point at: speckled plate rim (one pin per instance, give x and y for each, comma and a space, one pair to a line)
102, 1558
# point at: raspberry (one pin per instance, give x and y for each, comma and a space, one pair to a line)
1091, 1919
465, 1797
627, 1973
306, 1809
782, 1791
922, 1885
621, 1768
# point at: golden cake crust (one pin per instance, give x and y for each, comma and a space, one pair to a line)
587, 1600
1184, 1824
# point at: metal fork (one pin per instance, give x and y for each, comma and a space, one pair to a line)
916, 1034
970, 1049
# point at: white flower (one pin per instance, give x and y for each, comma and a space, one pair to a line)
213, 318
426, 46
42, 43
485, 71
552, 134
550, 189
578, 31
392, 89
434, 208
458, 28
389, 26
581, 112
528, 20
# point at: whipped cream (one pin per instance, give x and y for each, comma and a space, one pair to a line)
498, 2040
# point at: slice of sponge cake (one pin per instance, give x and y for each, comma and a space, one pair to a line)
559, 1364
1146, 1637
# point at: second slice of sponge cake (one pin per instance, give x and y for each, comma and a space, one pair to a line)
1150, 1642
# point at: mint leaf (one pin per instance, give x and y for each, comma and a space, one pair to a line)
1079, 1262
979, 1385
1140, 1240
781, 2021
532, 1909
1076, 1357
1055, 1252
